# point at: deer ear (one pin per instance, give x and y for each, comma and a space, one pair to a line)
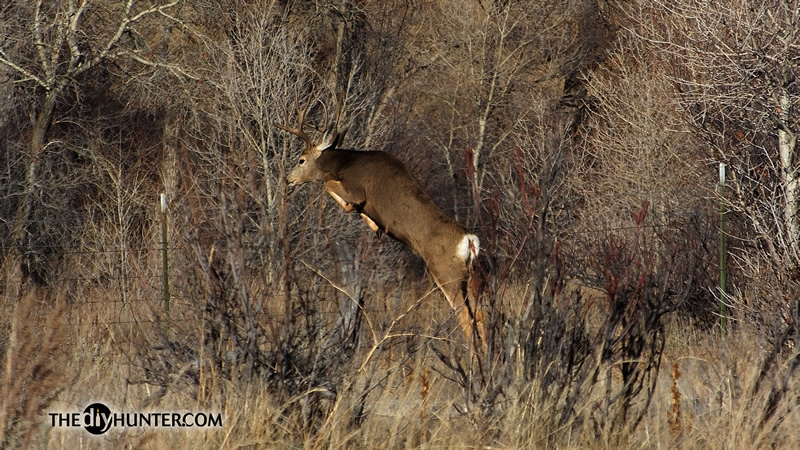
339, 138
328, 141
332, 140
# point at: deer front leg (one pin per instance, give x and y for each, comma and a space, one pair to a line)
372, 225
347, 207
350, 202
347, 200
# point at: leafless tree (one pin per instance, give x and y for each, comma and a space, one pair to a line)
735, 67
46, 50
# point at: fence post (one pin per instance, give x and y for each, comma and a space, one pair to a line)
723, 256
164, 253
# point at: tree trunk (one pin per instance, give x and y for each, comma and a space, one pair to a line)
19, 230
787, 142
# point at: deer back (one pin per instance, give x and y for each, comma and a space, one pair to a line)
390, 196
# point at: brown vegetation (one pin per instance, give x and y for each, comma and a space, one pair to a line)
578, 139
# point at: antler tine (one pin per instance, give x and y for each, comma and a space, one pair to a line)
341, 98
301, 113
325, 112
339, 102
301, 117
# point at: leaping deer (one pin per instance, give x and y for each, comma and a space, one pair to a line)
377, 186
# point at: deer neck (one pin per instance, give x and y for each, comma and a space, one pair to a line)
331, 162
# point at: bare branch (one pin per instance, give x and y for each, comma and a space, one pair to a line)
74, 17
24, 72
39, 41
123, 26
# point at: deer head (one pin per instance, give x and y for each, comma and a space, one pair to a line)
306, 168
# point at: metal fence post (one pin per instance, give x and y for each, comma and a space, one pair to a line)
164, 253
723, 256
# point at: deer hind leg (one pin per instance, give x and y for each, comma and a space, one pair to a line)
473, 289
470, 315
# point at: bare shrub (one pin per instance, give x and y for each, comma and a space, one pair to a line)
591, 363
732, 69
638, 149
273, 289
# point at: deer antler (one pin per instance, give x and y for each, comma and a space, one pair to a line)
325, 122
301, 118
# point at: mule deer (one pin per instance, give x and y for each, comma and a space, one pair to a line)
377, 186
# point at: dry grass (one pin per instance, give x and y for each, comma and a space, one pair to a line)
713, 393
35, 353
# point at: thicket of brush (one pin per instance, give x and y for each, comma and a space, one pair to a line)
578, 140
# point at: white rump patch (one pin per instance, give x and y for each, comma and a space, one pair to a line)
468, 248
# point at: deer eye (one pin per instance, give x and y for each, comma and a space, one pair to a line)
302, 161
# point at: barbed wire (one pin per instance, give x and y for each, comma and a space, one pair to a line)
172, 318
117, 278
76, 249
81, 250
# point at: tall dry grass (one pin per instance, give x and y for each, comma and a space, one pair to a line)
35, 355
716, 392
